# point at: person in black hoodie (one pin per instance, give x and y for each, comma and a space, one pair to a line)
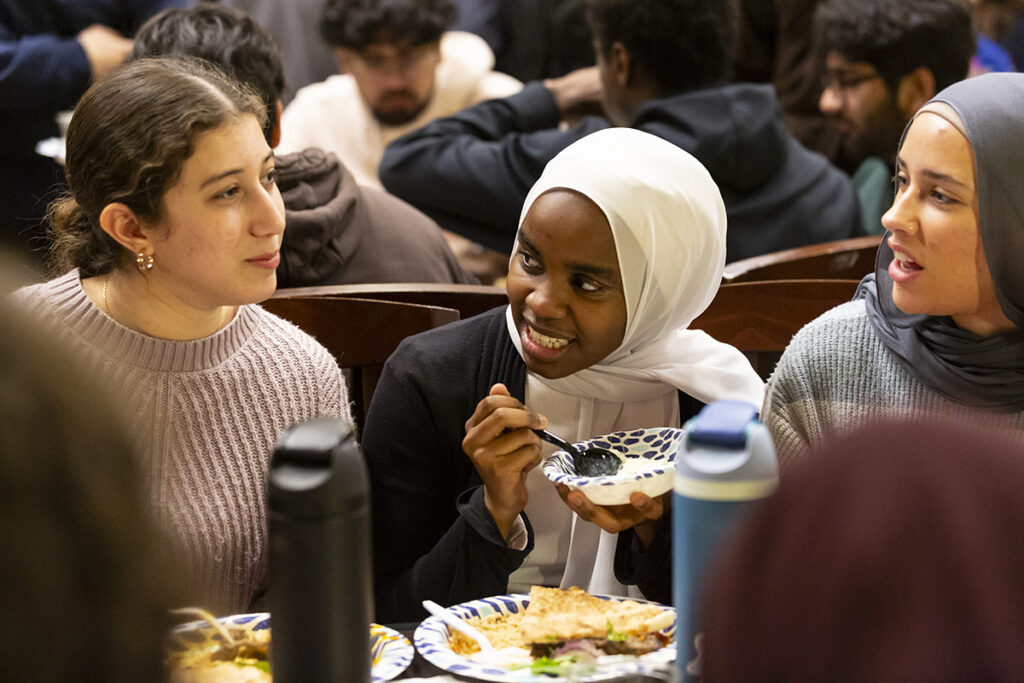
662, 67
337, 232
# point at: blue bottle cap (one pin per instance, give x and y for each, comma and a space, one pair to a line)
722, 423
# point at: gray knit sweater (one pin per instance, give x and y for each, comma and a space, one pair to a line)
206, 414
836, 375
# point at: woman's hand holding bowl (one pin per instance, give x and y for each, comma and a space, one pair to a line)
641, 514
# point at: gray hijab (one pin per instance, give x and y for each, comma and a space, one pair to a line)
984, 371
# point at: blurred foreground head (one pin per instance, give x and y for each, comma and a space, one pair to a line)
83, 589
896, 554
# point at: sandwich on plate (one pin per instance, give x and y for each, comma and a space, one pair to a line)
569, 626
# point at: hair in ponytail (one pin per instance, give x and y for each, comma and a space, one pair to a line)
130, 135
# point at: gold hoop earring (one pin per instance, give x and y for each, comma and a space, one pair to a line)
143, 263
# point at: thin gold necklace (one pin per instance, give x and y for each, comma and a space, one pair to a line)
106, 302
106, 305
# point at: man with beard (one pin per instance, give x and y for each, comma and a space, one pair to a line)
400, 69
883, 60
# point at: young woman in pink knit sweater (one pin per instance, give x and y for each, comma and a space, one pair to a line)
169, 236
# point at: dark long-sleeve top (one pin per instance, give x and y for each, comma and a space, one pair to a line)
43, 70
42, 66
471, 172
433, 536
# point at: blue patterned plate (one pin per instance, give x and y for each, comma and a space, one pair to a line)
391, 651
648, 465
432, 635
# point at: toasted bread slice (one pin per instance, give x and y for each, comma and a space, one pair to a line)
555, 614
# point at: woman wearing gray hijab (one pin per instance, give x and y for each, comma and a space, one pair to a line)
936, 330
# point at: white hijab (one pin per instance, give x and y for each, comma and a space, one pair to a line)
668, 222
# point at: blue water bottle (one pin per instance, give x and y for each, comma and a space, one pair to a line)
725, 462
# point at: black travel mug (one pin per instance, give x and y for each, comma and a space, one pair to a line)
321, 589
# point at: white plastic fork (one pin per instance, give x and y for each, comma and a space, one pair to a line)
459, 625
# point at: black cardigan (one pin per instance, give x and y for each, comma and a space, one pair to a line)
433, 536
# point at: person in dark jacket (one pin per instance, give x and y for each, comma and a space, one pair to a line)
662, 68
49, 52
337, 232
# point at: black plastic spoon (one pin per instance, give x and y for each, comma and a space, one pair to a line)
591, 462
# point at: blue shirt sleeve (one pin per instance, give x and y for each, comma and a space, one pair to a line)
41, 72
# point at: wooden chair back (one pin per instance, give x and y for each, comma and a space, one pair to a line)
360, 333
759, 318
849, 259
468, 300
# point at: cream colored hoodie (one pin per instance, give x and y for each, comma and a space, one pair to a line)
333, 116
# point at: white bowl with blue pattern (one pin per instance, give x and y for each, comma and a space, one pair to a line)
649, 464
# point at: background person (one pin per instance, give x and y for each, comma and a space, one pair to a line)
663, 67
622, 244
169, 235
936, 329
399, 70
883, 60
337, 231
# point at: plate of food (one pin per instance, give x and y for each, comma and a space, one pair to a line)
648, 464
236, 648
553, 635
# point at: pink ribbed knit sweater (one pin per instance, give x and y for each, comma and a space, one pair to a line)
206, 414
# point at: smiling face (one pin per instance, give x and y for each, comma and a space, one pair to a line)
940, 266
565, 287
396, 80
866, 112
219, 239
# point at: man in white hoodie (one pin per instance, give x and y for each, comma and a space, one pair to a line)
400, 70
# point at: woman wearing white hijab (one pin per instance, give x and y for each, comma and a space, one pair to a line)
621, 245
938, 328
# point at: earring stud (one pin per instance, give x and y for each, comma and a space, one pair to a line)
143, 262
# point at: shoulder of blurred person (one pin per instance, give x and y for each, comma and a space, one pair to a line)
88, 576
894, 554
